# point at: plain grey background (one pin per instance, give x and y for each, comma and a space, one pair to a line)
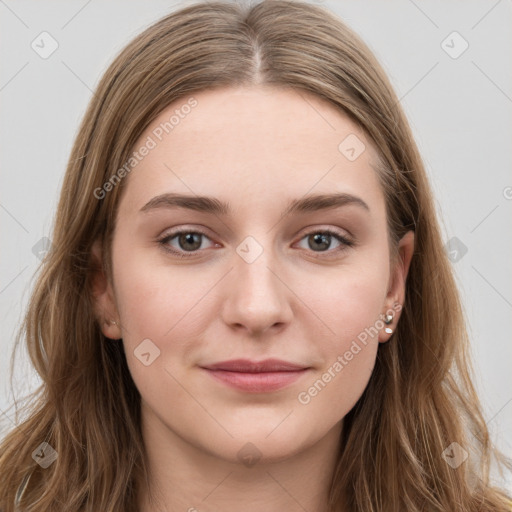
458, 101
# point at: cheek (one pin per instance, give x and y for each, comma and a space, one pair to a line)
350, 305
166, 305
148, 303
350, 301
348, 356
155, 308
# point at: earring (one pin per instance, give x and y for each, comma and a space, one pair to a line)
387, 320
113, 322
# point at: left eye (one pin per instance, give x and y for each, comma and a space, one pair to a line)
322, 240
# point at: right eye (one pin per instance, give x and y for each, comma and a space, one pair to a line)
188, 242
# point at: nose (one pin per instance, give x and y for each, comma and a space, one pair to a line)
257, 296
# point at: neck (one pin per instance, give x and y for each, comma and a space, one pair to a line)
185, 477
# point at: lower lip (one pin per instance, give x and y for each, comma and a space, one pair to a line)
257, 382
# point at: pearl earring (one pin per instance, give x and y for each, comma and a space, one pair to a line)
387, 320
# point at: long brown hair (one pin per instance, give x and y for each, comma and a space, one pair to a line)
420, 398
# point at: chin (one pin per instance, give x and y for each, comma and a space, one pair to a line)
258, 447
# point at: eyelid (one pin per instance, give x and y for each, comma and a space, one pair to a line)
310, 230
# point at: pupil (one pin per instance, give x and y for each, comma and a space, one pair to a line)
188, 238
322, 239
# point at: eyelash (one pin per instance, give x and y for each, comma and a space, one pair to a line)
346, 243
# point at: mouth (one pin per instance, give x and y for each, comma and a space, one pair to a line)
256, 377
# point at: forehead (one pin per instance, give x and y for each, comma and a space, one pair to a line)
257, 143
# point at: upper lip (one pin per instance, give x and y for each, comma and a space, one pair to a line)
248, 366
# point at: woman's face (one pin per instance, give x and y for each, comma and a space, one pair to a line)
258, 271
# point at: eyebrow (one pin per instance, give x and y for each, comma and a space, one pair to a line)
214, 206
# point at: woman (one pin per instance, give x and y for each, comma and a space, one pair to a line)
247, 302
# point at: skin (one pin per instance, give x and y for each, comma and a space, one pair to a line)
256, 148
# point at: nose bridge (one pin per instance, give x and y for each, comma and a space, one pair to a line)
255, 258
256, 297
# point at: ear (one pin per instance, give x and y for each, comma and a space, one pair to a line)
103, 298
396, 290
